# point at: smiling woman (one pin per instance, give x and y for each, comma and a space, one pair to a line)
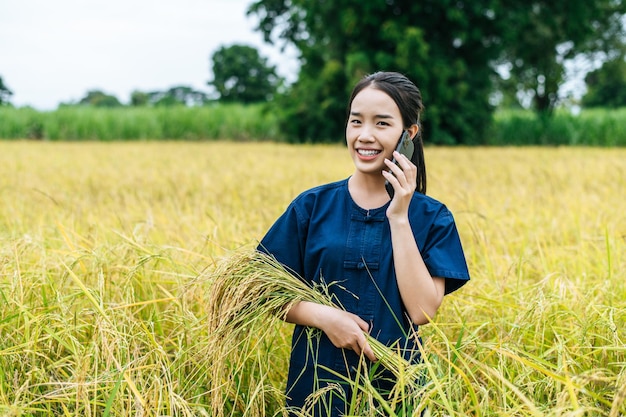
410, 101
393, 259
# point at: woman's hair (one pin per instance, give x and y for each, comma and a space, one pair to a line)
408, 98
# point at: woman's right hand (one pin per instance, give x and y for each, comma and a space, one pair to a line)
345, 330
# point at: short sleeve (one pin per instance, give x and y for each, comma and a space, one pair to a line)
286, 240
443, 252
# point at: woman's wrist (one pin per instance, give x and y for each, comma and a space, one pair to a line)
399, 220
307, 313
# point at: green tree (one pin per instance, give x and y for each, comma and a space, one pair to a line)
5, 93
540, 36
97, 98
444, 46
241, 74
450, 48
606, 86
139, 98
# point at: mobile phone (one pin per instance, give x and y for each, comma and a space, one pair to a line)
406, 147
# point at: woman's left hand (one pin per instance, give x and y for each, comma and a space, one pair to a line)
403, 180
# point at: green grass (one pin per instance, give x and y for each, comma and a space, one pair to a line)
594, 127
236, 122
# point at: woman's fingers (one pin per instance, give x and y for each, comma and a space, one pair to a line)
362, 344
362, 347
362, 323
366, 350
347, 330
404, 171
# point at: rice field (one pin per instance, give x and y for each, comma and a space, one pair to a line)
107, 252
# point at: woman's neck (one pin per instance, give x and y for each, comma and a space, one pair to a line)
368, 191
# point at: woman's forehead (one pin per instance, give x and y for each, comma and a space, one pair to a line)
371, 100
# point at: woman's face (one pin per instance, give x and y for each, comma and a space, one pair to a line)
373, 129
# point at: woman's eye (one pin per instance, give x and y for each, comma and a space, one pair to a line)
355, 122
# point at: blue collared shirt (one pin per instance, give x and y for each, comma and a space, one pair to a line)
325, 238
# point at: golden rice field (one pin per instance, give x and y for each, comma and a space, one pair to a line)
106, 253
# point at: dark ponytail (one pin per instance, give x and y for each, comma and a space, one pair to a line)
419, 161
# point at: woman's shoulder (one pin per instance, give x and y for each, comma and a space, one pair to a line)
319, 197
425, 205
426, 200
322, 190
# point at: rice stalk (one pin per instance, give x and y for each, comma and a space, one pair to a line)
249, 286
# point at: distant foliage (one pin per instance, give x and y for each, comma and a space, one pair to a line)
242, 75
606, 86
181, 95
5, 93
97, 98
449, 48
539, 37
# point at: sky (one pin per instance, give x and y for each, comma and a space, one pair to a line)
54, 51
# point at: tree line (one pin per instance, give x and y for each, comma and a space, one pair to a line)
459, 52
467, 57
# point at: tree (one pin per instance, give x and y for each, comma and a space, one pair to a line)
606, 86
139, 98
240, 74
5, 93
444, 46
450, 48
97, 98
540, 36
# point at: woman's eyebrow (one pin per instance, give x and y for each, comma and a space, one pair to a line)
377, 116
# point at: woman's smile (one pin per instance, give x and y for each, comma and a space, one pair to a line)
368, 154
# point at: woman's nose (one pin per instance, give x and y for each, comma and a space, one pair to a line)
366, 134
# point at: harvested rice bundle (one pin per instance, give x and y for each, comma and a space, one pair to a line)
249, 286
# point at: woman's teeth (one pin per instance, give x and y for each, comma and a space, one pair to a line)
368, 152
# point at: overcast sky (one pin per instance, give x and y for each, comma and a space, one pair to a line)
54, 51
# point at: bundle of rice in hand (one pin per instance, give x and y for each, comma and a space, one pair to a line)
249, 287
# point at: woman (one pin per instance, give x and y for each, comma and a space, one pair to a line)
386, 261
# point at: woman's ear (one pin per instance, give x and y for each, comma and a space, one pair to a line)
413, 130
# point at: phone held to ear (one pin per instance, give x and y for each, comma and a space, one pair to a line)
405, 147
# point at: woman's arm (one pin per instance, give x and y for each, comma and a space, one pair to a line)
421, 293
345, 330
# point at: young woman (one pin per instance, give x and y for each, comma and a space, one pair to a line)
386, 261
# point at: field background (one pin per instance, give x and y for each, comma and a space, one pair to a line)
103, 247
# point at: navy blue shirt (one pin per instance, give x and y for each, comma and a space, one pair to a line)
324, 237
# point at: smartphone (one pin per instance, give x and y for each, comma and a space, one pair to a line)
406, 147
